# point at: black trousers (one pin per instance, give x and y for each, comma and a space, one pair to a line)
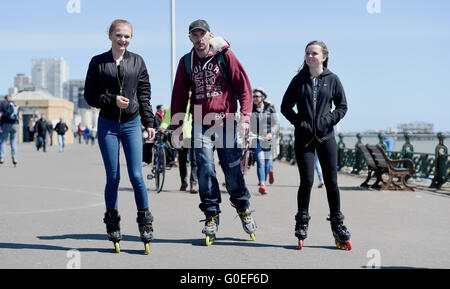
182, 161
327, 153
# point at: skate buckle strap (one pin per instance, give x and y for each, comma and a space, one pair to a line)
111, 218
245, 215
336, 218
144, 217
210, 221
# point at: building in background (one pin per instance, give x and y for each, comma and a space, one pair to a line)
22, 82
415, 127
50, 91
49, 74
35, 102
73, 90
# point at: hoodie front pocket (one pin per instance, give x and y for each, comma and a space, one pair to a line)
325, 124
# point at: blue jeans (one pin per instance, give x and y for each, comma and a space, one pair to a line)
9, 129
61, 142
229, 158
41, 141
264, 162
110, 134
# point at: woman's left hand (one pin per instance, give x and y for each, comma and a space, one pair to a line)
151, 133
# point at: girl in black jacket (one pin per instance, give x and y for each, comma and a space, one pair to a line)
117, 82
313, 91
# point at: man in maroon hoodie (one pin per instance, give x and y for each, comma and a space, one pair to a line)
214, 104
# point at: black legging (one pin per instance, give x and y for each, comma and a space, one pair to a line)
327, 153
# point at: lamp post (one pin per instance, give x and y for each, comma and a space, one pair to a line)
172, 30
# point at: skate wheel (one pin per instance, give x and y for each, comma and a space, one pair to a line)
209, 240
300, 244
117, 247
147, 248
349, 245
252, 236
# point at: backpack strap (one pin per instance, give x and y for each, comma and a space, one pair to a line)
221, 63
223, 67
188, 68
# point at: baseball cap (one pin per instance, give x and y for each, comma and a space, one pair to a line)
199, 24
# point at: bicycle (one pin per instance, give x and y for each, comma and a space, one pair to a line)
158, 164
247, 157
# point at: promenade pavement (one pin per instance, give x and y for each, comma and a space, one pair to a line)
52, 206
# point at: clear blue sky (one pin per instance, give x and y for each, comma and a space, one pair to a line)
394, 65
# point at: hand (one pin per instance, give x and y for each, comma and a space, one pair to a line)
151, 133
269, 137
122, 102
244, 129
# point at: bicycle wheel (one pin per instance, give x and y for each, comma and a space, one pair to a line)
160, 169
148, 170
244, 161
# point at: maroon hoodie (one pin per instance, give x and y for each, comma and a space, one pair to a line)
210, 90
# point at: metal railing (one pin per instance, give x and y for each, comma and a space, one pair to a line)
432, 166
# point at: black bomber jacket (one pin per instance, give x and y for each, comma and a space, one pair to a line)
314, 122
103, 85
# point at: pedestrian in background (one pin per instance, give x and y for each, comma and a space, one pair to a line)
40, 130
9, 124
61, 129
265, 126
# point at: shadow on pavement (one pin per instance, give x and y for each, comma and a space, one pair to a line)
226, 241
394, 267
17, 246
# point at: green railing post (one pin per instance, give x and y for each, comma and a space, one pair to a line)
290, 157
358, 160
440, 161
381, 137
407, 150
281, 143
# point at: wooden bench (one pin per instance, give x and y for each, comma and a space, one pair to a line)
371, 165
386, 165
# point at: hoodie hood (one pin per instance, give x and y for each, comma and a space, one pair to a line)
217, 45
325, 72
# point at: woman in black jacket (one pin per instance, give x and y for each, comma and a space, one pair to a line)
117, 82
313, 91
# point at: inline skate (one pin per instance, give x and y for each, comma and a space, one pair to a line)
145, 225
210, 229
340, 233
248, 223
112, 221
301, 227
